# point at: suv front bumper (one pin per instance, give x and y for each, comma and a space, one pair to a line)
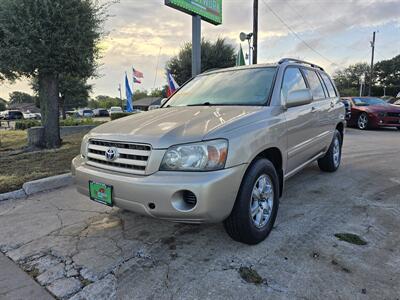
215, 191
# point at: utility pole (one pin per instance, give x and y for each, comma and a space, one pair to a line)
372, 64
255, 31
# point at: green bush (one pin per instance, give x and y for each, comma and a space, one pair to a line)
76, 122
26, 124
115, 116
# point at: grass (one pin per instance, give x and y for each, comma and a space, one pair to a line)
350, 238
17, 168
250, 276
12, 140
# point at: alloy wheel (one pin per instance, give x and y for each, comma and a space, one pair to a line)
262, 200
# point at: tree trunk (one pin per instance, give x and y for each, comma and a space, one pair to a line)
48, 94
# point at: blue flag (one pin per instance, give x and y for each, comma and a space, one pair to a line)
129, 95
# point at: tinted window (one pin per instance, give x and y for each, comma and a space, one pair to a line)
329, 85
315, 85
292, 81
368, 101
237, 87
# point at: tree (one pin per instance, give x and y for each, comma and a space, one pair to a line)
213, 56
348, 80
21, 97
387, 72
3, 104
46, 38
103, 101
74, 92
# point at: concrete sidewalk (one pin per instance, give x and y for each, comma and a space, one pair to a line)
15, 284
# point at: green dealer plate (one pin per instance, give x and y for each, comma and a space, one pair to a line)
101, 193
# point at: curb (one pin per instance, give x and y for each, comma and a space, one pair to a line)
37, 186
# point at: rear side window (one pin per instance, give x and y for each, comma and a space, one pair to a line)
292, 80
315, 84
329, 85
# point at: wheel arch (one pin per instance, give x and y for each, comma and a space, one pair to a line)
274, 155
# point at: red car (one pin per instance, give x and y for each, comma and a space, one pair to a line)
370, 112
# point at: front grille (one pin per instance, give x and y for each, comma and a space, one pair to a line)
393, 114
129, 157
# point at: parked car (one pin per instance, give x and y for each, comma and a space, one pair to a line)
347, 106
72, 114
86, 113
31, 116
218, 150
371, 112
101, 112
397, 102
115, 109
11, 115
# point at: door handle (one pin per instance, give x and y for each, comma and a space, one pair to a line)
314, 109
332, 104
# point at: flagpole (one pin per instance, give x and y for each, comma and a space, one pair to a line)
120, 93
158, 61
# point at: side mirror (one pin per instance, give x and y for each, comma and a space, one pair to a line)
299, 97
163, 101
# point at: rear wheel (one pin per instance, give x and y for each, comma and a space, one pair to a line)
256, 206
331, 161
362, 121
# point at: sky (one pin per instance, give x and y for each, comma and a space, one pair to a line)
334, 34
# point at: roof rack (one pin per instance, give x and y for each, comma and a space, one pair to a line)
288, 59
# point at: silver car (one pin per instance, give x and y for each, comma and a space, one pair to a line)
220, 149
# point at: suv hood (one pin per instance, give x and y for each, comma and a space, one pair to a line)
165, 127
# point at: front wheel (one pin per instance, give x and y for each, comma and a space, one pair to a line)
331, 161
362, 121
254, 213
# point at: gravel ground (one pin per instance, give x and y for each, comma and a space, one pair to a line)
80, 249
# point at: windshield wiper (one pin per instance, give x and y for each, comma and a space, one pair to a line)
201, 104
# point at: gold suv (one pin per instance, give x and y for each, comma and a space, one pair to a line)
219, 149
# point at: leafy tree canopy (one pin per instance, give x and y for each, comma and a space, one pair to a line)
21, 97
3, 104
49, 36
213, 55
388, 72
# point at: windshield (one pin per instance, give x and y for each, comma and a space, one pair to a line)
238, 87
368, 101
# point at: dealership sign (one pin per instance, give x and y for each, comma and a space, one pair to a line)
208, 10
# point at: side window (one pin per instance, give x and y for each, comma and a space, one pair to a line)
329, 85
292, 80
315, 84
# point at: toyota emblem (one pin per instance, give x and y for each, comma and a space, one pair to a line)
111, 153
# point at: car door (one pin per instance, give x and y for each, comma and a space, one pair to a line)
322, 110
300, 121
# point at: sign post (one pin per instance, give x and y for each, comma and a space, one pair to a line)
206, 10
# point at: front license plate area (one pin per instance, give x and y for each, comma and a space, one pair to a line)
101, 193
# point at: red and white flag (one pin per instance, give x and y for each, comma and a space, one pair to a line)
137, 73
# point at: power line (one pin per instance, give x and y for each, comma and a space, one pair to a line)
296, 34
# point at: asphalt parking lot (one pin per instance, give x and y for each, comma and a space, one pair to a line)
78, 248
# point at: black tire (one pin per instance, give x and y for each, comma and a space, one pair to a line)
328, 163
359, 124
240, 224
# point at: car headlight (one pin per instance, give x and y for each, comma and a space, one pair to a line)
84, 145
204, 156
